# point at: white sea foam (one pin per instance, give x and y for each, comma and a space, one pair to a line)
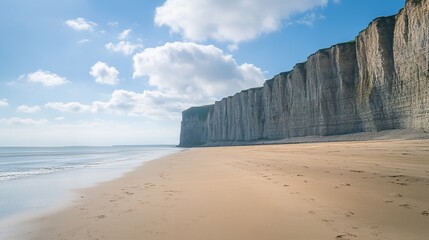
4, 176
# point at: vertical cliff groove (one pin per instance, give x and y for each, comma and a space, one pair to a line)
379, 81
376, 75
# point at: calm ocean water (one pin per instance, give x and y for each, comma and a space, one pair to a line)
34, 180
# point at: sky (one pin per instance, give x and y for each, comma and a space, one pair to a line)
104, 72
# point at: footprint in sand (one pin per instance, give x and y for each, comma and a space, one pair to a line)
396, 176
101, 216
171, 191
349, 214
344, 185
399, 183
346, 236
327, 220
405, 205
309, 199
425, 213
357, 171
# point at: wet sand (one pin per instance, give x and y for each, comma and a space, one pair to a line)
341, 190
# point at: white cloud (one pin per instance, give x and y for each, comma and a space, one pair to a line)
229, 21
68, 107
28, 109
45, 77
232, 47
112, 24
309, 19
81, 24
83, 41
124, 47
193, 69
124, 34
59, 118
22, 121
3, 102
104, 74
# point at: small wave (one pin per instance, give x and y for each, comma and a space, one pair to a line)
5, 176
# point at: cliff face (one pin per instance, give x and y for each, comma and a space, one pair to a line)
379, 81
194, 130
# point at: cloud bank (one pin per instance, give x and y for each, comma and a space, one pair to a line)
181, 75
28, 109
68, 107
22, 121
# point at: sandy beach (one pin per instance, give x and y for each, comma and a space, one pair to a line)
342, 190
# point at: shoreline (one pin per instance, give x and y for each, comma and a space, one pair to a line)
51, 193
335, 190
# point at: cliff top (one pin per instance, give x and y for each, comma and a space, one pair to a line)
201, 112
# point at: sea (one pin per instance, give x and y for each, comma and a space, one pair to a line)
35, 180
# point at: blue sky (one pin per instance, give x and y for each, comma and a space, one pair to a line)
81, 72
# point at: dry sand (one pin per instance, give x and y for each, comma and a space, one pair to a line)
347, 190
